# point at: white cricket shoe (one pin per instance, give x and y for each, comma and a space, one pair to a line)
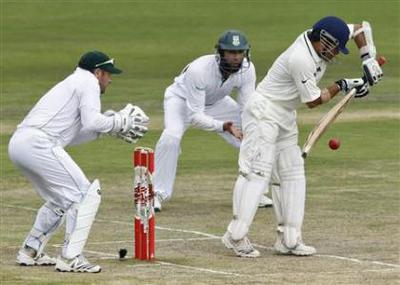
77, 264
300, 249
27, 257
242, 248
265, 202
157, 203
226, 240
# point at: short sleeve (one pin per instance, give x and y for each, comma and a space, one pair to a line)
303, 74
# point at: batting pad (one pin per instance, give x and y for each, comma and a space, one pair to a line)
292, 193
49, 218
81, 216
251, 194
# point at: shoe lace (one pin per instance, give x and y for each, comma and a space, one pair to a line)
82, 259
245, 245
82, 262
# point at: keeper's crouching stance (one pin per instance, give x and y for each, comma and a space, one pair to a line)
68, 114
270, 135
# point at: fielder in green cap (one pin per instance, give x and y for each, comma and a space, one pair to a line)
200, 96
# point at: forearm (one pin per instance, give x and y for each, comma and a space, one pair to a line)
205, 122
93, 121
326, 95
359, 38
364, 40
329, 92
84, 136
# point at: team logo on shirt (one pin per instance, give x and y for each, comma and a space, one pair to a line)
236, 40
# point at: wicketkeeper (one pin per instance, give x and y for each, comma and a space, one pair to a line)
270, 134
68, 114
200, 96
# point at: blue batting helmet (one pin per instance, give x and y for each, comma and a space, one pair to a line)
337, 28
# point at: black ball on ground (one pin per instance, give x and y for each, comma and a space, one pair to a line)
122, 252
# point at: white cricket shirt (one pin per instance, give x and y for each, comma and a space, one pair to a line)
294, 75
201, 84
70, 111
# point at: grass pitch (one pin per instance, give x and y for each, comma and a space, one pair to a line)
352, 211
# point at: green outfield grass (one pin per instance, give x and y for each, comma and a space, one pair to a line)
352, 214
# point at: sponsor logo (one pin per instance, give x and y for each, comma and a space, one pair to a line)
236, 40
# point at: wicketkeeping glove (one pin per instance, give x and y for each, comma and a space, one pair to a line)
129, 123
361, 86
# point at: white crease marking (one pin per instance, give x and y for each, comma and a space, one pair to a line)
200, 269
359, 261
158, 241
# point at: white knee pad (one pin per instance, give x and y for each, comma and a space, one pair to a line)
49, 218
292, 193
250, 198
257, 152
291, 164
166, 160
80, 218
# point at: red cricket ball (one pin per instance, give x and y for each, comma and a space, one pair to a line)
334, 143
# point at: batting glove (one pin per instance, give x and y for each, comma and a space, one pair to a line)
361, 86
373, 72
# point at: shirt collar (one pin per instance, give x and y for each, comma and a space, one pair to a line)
310, 47
84, 71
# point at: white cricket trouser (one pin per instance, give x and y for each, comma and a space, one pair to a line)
270, 138
53, 173
56, 178
176, 122
265, 124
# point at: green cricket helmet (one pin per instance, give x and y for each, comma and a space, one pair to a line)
232, 40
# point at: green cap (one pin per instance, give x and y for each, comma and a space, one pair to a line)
232, 40
96, 59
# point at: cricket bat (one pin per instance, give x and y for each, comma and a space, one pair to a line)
327, 120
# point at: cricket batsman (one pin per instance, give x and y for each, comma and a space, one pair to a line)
68, 114
270, 134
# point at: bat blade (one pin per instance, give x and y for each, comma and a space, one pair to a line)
325, 122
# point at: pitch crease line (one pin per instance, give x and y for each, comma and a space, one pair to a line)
218, 237
200, 269
158, 240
